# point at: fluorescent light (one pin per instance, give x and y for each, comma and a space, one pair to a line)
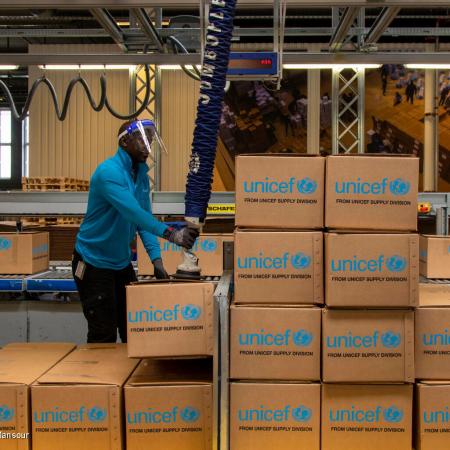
331, 66
8, 67
86, 67
427, 66
123, 23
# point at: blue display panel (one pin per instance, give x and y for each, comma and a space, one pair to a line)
253, 63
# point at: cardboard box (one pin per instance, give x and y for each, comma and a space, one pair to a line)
371, 270
170, 319
369, 417
275, 343
367, 346
433, 420
20, 365
270, 187
278, 267
432, 345
274, 416
78, 403
372, 192
434, 294
23, 253
435, 256
208, 248
168, 405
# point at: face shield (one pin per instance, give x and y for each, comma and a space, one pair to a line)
144, 131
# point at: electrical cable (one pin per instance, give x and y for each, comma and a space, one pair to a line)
61, 113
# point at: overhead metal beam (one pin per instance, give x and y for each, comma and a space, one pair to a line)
148, 28
355, 58
105, 19
136, 36
345, 23
380, 25
79, 4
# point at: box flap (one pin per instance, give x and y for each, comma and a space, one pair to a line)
172, 372
172, 281
24, 363
93, 364
422, 383
373, 155
281, 155
434, 294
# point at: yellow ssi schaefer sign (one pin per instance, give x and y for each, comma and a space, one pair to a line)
220, 209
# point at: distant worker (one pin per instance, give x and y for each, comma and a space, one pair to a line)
397, 98
410, 91
118, 208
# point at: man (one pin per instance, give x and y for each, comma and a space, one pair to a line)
118, 207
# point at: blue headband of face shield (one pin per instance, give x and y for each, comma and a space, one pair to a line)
145, 130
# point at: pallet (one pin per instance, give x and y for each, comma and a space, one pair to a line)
62, 184
49, 221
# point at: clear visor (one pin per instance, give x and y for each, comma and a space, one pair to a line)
146, 132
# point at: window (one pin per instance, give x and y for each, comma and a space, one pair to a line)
5, 145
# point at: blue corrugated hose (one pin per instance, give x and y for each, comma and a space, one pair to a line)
209, 110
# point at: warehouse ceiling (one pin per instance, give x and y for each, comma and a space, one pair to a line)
336, 29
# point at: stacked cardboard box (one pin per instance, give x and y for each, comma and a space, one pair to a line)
169, 403
78, 403
275, 323
432, 349
371, 286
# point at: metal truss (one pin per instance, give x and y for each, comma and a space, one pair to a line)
348, 110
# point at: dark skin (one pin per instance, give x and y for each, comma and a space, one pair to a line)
134, 146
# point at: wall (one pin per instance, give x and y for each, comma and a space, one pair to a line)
74, 147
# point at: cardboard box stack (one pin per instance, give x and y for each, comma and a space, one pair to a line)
169, 398
78, 403
432, 349
371, 286
275, 323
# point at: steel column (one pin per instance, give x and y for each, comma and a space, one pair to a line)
431, 140
313, 118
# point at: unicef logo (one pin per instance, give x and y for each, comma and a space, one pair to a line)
301, 414
208, 245
396, 263
191, 312
5, 244
306, 186
300, 261
6, 414
302, 338
390, 339
96, 414
399, 186
190, 414
393, 414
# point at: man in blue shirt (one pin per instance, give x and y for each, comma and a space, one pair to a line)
118, 208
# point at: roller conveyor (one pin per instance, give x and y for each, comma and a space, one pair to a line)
12, 283
52, 280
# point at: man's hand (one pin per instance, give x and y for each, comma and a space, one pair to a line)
160, 272
185, 237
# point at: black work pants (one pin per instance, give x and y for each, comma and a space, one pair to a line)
103, 297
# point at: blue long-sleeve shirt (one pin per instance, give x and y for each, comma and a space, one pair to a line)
118, 207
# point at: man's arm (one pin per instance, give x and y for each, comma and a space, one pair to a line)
115, 191
149, 240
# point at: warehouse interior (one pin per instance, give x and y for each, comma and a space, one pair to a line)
312, 311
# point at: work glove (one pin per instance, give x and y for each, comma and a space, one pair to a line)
159, 271
184, 237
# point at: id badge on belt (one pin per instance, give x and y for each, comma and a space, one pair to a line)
79, 272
